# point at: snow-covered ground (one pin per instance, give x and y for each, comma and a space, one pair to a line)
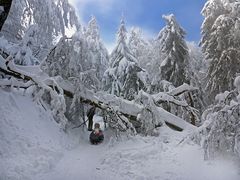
33, 148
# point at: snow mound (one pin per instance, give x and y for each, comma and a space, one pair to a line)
162, 157
220, 98
30, 139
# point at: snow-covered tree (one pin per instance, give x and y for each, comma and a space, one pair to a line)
24, 56
58, 15
220, 43
122, 78
92, 31
98, 54
24, 51
70, 60
220, 130
143, 51
175, 65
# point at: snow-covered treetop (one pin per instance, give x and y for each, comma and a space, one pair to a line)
171, 39
136, 41
121, 50
172, 27
175, 28
98, 54
217, 5
122, 32
93, 29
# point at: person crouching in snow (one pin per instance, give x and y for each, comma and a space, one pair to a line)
96, 135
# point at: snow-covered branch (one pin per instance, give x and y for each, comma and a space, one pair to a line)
171, 98
13, 82
44, 84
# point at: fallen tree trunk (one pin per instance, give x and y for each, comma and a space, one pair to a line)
119, 110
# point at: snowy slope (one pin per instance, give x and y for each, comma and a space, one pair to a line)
30, 140
33, 148
162, 158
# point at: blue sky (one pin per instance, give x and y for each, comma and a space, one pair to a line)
146, 14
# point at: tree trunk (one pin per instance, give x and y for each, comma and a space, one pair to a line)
6, 5
193, 118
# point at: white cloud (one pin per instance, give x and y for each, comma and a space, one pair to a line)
73, 2
103, 5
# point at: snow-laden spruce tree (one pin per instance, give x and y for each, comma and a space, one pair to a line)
174, 53
52, 17
98, 53
122, 78
220, 44
221, 128
172, 68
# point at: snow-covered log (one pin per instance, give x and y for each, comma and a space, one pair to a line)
34, 76
182, 89
133, 109
164, 97
118, 109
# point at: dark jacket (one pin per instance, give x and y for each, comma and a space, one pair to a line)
96, 138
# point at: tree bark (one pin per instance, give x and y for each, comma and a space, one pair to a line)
6, 4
